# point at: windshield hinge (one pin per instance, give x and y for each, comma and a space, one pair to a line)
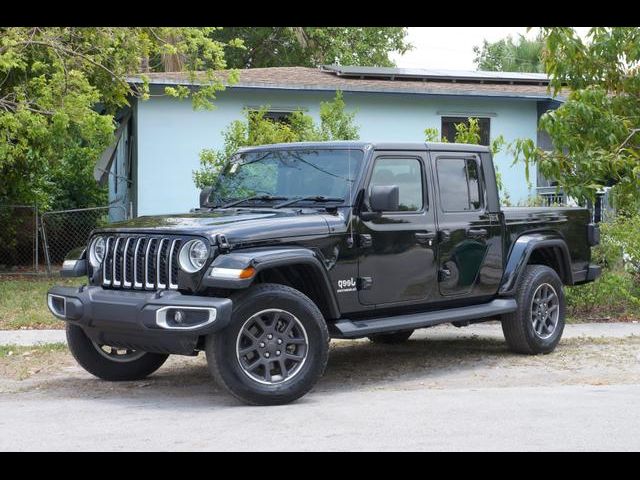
223, 244
365, 240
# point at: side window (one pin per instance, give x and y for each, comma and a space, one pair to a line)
406, 173
459, 184
473, 181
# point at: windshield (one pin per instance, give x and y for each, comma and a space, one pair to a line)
288, 174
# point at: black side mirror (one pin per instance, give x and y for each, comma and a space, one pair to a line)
384, 198
204, 197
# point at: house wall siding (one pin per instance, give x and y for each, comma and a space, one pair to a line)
170, 134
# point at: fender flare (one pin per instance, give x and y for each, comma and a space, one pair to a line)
264, 258
520, 253
75, 263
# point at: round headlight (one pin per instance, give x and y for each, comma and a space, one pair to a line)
193, 256
96, 252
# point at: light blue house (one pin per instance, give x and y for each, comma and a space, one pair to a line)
150, 170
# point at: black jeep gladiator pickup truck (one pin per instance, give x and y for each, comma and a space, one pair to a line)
299, 243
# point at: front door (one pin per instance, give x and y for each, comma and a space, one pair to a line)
397, 261
470, 258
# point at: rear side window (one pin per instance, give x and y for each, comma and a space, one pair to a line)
406, 173
459, 184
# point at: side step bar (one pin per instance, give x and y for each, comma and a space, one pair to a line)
361, 328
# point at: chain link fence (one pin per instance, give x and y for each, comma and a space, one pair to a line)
34, 242
20, 248
64, 230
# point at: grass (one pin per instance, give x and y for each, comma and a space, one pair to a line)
21, 350
23, 301
21, 362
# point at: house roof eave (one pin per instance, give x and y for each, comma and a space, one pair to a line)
350, 89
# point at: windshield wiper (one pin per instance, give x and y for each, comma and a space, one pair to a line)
314, 198
255, 197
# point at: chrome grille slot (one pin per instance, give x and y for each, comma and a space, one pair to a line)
116, 263
173, 264
138, 260
141, 263
150, 264
127, 262
161, 267
108, 262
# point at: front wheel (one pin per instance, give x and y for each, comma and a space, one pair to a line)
111, 363
537, 325
274, 349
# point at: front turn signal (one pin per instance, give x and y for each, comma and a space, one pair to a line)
247, 272
232, 273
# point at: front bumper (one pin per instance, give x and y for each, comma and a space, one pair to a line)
139, 320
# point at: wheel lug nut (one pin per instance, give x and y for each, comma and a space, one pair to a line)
261, 344
269, 336
277, 352
279, 341
267, 355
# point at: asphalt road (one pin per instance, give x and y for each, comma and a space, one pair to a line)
455, 390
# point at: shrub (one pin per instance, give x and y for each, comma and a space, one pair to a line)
615, 295
620, 244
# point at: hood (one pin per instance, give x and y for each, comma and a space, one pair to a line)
236, 225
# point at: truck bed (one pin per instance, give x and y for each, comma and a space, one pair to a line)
569, 222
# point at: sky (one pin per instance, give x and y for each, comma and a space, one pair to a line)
452, 47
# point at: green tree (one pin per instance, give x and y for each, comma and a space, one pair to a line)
60, 88
257, 129
596, 132
313, 46
507, 55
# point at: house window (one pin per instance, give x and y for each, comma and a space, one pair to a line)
449, 128
280, 117
277, 116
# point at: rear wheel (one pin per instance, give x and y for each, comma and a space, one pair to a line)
537, 325
108, 362
274, 349
391, 338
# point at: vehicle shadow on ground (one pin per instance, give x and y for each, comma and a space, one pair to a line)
365, 365
352, 366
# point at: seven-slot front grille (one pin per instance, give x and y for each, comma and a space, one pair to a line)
139, 262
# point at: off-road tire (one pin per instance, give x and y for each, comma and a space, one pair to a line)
518, 328
223, 358
87, 355
391, 338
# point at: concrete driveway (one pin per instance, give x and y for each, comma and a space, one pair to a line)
446, 389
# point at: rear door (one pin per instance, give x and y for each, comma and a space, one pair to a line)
469, 243
397, 263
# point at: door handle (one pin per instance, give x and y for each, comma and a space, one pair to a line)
477, 232
444, 274
425, 238
444, 236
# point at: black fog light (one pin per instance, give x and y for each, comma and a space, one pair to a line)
184, 318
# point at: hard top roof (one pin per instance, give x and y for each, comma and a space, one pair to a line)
361, 145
